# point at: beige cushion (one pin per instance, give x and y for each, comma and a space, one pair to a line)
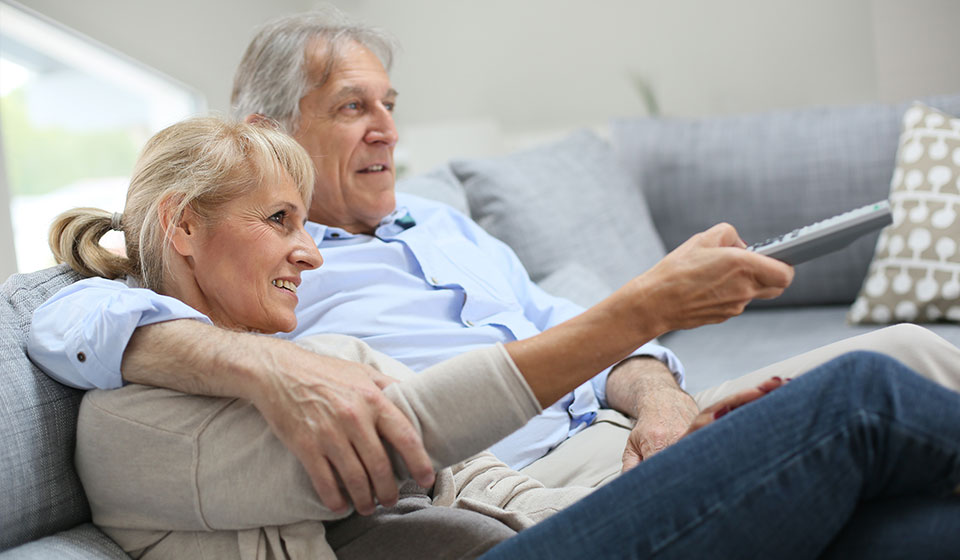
915, 272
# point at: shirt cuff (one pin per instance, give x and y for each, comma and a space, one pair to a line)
80, 342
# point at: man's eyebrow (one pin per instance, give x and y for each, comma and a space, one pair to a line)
358, 91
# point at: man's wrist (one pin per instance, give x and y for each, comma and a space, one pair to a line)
638, 379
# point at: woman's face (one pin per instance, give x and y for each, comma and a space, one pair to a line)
247, 263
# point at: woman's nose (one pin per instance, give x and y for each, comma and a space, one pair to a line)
306, 254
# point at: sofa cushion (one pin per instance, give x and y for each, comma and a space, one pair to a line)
768, 174
713, 354
439, 184
85, 542
915, 273
565, 202
41, 492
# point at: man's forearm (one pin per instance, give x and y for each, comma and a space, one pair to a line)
329, 412
191, 357
644, 388
633, 379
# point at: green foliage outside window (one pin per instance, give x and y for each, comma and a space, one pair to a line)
40, 160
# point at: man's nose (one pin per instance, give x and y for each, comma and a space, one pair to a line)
382, 129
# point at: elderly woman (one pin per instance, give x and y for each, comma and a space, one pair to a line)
215, 219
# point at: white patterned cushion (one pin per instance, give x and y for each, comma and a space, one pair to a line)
915, 273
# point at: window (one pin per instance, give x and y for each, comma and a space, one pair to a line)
73, 117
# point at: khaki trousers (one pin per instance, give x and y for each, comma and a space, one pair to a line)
593, 457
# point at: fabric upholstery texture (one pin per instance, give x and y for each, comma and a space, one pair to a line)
84, 542
577, 283
439, 184
569, 201
768, 174
40, 489
713, 354
915, 273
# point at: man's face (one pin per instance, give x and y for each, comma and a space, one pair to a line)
347, 128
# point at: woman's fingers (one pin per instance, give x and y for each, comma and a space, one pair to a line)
721, 408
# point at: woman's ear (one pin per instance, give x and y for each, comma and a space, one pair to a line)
257, 119
182, 231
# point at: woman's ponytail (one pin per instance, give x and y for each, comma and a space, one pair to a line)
75, 239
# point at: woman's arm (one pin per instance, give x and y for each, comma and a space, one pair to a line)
155, 459
708, 279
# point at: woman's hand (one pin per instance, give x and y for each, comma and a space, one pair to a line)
716, 411
707, 279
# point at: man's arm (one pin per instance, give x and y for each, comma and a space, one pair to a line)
330, 412
643, 388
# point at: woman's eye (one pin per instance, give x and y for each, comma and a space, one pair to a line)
279, 217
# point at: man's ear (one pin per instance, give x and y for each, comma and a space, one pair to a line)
183, 231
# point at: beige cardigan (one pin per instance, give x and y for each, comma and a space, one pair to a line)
170, 475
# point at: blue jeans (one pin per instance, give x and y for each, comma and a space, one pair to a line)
860, 452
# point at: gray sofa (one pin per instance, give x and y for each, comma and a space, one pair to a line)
585, 215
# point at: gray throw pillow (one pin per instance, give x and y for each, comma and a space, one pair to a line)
566, 202
439, 184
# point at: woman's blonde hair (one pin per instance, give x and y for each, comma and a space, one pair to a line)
201, 163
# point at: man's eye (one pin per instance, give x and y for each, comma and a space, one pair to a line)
390, 105
279, 217
354, 106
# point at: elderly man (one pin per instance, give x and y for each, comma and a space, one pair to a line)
413, 278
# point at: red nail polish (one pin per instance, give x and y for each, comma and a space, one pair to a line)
777, 378
720, 413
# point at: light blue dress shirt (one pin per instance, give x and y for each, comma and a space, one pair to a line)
429, 285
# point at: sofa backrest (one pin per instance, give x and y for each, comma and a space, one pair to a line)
40, 493
770, 173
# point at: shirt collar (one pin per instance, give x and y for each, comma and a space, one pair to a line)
393, 224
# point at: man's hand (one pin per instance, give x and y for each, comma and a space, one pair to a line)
644, 388
334, 417
330, 413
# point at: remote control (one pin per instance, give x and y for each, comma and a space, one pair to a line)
826, 236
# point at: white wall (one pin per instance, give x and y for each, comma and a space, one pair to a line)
540, 64
8, 258
537, 63
478, 77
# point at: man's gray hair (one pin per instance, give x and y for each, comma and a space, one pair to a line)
273, 74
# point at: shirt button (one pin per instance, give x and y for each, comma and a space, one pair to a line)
434, 281
469, 323
334, 235
81, 356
